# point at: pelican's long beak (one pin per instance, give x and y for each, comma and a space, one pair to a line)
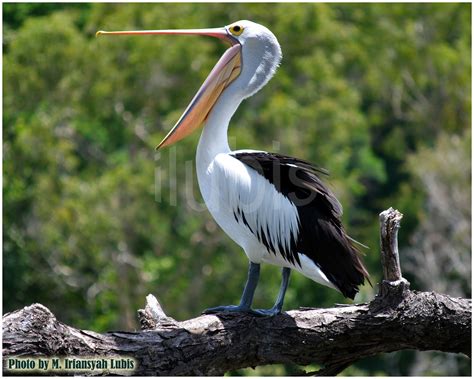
223, 73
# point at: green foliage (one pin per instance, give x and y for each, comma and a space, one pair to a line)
95, 219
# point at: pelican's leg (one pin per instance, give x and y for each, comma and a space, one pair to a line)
276, 309
247, 295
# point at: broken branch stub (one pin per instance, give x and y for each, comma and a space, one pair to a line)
389, 225
393, 282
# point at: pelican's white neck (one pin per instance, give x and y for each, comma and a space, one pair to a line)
214, 139
260, 56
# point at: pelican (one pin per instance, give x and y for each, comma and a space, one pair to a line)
275, 207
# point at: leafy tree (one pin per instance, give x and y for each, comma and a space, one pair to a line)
439, 256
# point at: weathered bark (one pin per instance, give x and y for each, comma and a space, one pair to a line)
213, 344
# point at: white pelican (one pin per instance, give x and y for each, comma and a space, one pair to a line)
275, 207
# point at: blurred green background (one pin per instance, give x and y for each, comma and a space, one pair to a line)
95, 219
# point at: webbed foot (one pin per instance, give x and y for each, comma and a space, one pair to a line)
267, 312
227, 308
239, 308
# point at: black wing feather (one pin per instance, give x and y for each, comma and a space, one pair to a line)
321, 234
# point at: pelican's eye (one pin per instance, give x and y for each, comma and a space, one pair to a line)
236, 30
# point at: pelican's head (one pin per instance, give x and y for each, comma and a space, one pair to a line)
261, 55
245, 67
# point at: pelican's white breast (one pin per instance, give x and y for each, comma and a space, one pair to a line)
244, 204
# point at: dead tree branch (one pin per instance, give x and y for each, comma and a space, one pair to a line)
396, 319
